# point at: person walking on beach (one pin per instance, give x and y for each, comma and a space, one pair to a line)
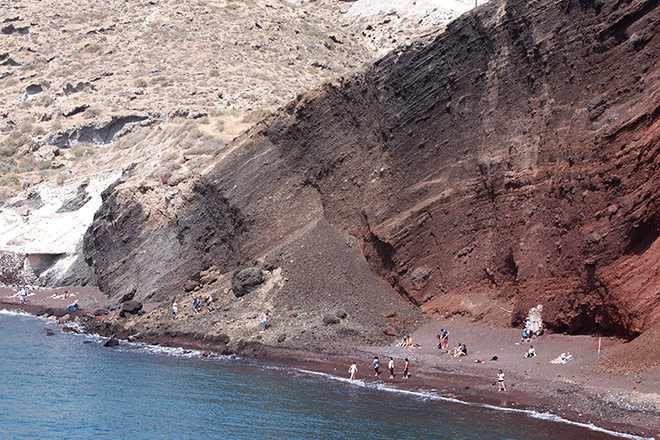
352, 370
375, 364
175, 309
390, 366
500, 382
406, 367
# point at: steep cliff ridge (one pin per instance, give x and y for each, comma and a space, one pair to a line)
511, 162
91, 90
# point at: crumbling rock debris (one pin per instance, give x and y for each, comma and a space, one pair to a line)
98, 132
78, 201
13, 29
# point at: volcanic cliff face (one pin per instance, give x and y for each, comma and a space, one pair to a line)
511, 162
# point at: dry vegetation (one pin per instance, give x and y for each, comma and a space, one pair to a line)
209, 69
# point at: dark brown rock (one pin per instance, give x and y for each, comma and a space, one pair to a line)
330, 320
246, 280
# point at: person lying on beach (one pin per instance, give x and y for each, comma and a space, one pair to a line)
352, 370
562, 359
530, 353
408, 342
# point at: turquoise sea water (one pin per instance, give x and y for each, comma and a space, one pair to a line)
70, 387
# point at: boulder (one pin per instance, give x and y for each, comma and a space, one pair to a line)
246, 280
190, 285
330, 320
281, 338
112, 342
389, 331
341, 314
101, 312
130, 307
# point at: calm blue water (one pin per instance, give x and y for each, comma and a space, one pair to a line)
57, 387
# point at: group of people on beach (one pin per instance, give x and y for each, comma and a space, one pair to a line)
375, 365
196, 304
443, 345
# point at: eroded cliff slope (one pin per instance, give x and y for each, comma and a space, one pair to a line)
513, 161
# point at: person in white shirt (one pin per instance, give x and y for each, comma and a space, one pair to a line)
500, 382
175, 309
390, 366
352, 370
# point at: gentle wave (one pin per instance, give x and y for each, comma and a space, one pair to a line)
14, 313
427, 395
153, 349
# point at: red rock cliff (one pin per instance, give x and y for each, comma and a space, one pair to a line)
512, 161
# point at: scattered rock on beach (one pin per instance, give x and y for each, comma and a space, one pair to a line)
330, 320
130, 307
389, 331
190, 285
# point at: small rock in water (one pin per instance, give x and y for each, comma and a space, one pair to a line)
112, 342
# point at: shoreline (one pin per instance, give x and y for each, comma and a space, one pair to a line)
463, 388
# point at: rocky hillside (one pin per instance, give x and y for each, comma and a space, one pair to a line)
510, 162
154, 89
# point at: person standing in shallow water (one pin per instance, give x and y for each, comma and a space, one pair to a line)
500, 382
352, 370
376, 366
390, 366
